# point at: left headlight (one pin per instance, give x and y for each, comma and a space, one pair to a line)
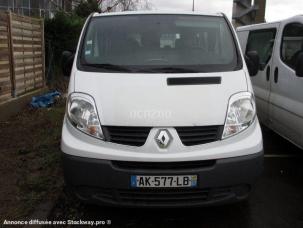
240, 115
82, 113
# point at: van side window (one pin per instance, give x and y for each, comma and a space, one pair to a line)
262, 41
292, 43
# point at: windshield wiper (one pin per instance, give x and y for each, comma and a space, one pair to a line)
170, 70
108, 66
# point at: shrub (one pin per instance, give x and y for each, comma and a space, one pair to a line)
62, 33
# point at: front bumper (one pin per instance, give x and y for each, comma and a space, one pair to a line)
107, 182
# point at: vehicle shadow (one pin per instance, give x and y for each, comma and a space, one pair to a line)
276, 145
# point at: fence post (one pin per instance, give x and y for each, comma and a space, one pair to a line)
43, 52
11, 53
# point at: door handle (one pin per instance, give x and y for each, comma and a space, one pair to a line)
268, 73
276, 74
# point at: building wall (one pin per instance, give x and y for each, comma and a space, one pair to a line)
36, 8
260, 16
246, 12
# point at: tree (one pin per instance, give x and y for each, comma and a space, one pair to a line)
85, 8
124, 5
127, 5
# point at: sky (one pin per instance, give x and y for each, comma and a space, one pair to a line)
275, 9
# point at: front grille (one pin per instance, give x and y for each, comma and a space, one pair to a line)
191, 136
163, 196
132, 136
154, 197
163, 165
136, 136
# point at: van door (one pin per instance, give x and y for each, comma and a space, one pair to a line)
262, 41
286, 99
243, 36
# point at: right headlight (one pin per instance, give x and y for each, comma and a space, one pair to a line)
240, 115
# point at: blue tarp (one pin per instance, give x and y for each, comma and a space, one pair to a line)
44, 100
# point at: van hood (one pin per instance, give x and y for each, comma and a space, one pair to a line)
124, 99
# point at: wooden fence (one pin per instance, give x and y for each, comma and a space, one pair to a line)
22, 66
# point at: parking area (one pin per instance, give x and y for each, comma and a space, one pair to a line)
276, 201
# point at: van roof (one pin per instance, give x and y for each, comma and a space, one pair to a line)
260, 25
157, 12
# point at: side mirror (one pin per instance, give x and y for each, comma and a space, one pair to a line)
67, 62
253, 62
299, 65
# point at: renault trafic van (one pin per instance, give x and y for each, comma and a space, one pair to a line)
279, 82
160, 112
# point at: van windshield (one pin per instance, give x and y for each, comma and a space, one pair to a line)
158, 43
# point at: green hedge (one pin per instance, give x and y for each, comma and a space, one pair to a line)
62, 33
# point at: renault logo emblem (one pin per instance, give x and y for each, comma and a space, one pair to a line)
163, 138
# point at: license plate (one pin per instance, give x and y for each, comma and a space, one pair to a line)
164, 181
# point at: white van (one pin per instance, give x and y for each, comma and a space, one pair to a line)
160, 112
278, 85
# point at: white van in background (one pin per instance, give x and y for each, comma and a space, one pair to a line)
278, 85
160, 112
